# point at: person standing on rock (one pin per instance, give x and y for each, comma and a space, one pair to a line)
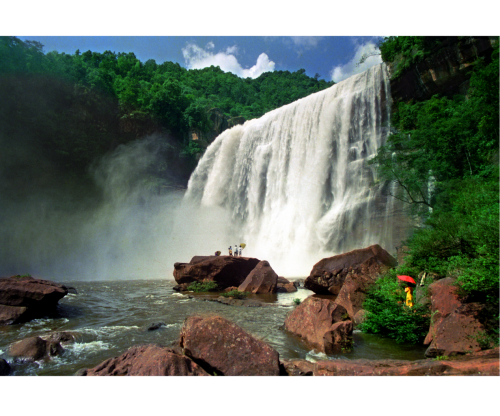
236, 250
230, 251
409, 296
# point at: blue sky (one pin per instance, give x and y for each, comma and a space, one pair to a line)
242, 55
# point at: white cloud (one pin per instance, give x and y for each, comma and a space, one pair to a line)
306, 41
341, 72
198, 58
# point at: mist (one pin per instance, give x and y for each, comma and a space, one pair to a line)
135, 229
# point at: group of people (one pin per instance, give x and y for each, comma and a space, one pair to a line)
235, 253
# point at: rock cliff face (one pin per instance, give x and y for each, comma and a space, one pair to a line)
445, 72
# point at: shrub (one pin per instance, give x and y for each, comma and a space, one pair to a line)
390, 317
297, 301
235, 294
203, 287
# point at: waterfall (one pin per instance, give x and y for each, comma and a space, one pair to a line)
294, 185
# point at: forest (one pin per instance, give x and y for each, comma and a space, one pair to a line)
75, 108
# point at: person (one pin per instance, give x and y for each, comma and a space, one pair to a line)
239, 254
217, 253
409, 296
230, 251
236, 250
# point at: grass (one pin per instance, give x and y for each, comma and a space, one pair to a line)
236, 294
203, 287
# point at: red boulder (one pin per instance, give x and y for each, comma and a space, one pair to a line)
35, 348
220, 346
148, 360
328, 275
262, 279
313, 318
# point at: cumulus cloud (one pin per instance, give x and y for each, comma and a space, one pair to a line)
341, 72
198, 58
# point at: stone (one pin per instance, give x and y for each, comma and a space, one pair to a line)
61, 337
353, 292
262, 279
4, 367
35, 349
360, 316
339, 336
298, 367
230, 289
285, 288
147, 360
328, 275
226, 271
221, 346
313, 318
154, 326
24, 298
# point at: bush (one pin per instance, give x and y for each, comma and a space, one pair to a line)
390, 317
235, 294
203, 287
297, 301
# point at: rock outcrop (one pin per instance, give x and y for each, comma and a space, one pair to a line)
328, 275
445, 72
484, 363
24, 298
285, 286
35, 349
454, 324
147, 360
224, 270
221, 347
262, 279
315, 321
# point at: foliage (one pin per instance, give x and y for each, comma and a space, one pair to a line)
203, 286
441, 358
18, 276
297, 301
390, 317
236, 294
488, 339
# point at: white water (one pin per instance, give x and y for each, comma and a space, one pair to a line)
294, 184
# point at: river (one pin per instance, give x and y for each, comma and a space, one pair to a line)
109, 317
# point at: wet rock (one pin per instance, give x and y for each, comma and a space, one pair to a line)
4, 367
81, 372
313, 318
181, 288
454, 324
353, 292
285, 286
338, 337
262, 279
249, 303
148, 360
72, 290
328, 275
35, 349
298, 367
61, 337
230, 288
226, 271
360, 316
24, 298
154, 326
220, 346
484, 363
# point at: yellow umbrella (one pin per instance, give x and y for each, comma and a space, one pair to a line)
243, 245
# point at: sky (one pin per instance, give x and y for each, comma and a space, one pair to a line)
245, 56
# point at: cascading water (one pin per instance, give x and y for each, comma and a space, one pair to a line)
294, 185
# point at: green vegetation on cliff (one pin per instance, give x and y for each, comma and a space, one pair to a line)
75, 108
443, 158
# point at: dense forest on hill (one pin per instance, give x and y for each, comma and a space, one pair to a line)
75, 108
443, 157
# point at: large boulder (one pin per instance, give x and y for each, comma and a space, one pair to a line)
24, 298
224, 270
262, 279
223, 348
454, 324
147, 360
353, 292
314, 320
328, 275
35, 348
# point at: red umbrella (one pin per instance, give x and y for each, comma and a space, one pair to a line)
407, 279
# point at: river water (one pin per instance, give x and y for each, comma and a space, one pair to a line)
109, 317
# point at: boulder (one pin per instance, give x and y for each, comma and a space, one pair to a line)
298, 367
224, 270
230, 289
147, 360
221, 347
35, 348
337, 337
262, 279
4, 367
24, 298
60, 337
360, 317
454, 324
353, 292
313, 318
285, 286
328, 275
